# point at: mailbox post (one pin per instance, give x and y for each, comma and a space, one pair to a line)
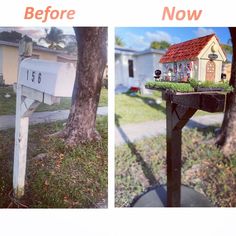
21, 126
38, 81
180, 107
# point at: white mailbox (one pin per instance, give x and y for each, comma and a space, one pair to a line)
53, 78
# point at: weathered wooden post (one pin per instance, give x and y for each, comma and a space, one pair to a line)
21, 125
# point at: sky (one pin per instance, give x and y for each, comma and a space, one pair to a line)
35, 32
139, 38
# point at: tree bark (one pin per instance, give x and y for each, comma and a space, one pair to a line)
227, 137
92, 59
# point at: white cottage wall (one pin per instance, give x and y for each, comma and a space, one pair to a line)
195, 71
202, 70
204, 58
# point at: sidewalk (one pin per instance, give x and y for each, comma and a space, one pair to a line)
8, 121
133, 132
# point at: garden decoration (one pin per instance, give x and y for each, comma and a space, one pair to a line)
39, 81
200, 59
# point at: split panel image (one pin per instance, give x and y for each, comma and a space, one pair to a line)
174, 116
53, 117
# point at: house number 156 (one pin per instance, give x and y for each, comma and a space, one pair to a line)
34, 76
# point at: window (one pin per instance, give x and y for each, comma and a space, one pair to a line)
131, 68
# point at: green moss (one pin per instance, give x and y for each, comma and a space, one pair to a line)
173, 86
188, 87
221, 85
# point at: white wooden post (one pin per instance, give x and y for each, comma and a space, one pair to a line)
21, 126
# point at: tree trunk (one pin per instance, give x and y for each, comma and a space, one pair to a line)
227, 137
92, 59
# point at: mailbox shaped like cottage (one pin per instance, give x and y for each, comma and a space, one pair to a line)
200, 59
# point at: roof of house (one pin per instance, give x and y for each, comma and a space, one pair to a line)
38, 47
67, 57
121, 50
59, 53
151, 50
187, 50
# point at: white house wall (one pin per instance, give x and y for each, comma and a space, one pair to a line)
118, 70
144, 66
1, 61
147, 64
122, 70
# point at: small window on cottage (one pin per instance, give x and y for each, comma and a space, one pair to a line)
131, 68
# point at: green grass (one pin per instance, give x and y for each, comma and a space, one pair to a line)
137, 109
141, 165
8, 105
57, 176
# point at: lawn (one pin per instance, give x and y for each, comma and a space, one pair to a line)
136, 109
8, 105
57, 176
142, 165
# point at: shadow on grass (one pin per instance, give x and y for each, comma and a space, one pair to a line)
150, 102
204, 129
147, 171
145, 168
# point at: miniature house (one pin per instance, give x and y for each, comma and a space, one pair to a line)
200, 59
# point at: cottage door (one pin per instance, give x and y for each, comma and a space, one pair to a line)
210, 71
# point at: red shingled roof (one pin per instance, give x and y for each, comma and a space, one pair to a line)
187, 50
